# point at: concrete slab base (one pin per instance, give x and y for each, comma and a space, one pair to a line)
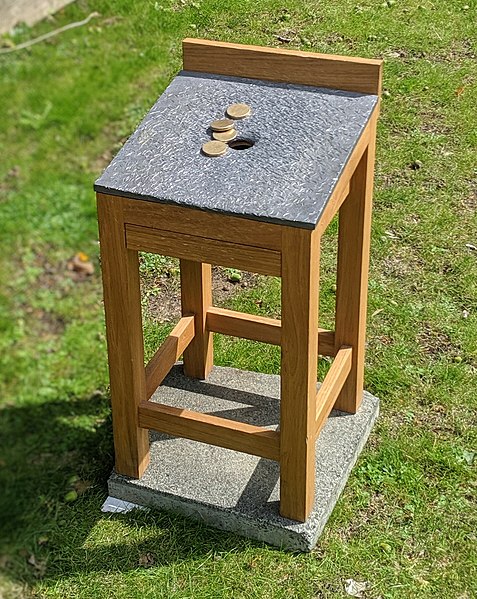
234, 491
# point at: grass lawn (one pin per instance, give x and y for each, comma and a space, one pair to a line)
406, 522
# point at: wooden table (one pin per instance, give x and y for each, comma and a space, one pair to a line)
264, 210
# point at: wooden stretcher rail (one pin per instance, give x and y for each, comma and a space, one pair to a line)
166, 356
330, 388
259, 328
246, 326
209, 429
200, 249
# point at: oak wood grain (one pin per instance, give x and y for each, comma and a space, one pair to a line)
170, 351
259, 328
332, 385
199, 249
288, 66
196, 299
201, 223
213, 430
352, 274
299, 343
246, 326
122, 305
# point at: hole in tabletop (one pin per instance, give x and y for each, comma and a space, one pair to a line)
241, 144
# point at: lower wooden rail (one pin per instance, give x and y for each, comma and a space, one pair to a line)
246, 326
209, 429
331, 386
166, 356
259, 328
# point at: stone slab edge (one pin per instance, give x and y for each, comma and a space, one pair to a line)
282, 533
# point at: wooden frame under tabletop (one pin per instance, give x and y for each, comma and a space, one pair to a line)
200, 238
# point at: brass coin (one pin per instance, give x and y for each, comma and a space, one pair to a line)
222, 125
225, 135
239, 111
214, 148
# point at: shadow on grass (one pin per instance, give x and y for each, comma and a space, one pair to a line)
52, 448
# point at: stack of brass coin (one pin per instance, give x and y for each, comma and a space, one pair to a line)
223, 130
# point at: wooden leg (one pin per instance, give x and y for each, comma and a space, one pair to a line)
299, 340
196, 296
352, 276
122, 305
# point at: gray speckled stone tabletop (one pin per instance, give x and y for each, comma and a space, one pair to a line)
303, 137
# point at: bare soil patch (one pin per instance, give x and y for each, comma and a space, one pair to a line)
163, 303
